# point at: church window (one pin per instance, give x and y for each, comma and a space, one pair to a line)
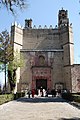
41, 60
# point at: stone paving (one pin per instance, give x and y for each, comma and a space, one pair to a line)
39, 109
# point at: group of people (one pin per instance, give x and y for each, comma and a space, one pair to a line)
43, 93
56, 92
39, 92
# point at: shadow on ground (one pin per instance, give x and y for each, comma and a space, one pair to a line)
75, 118
75, 104
40, 100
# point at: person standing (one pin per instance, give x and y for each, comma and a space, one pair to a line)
41, 92
29, 93
53, 92
33, 92
44, 92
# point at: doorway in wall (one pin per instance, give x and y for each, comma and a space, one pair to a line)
41, 83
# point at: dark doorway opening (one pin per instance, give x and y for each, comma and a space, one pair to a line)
41, 83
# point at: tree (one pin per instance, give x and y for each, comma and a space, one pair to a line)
11, 4
10, 60
6, 47
0, 88
12, 68
6, 52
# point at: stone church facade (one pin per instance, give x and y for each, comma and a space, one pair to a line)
48, 56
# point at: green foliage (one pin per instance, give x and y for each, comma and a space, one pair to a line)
9, 59
18, 95
4, 39
9, 97
5, 45
67, 96
0, 88
2, 67
76, 98
18, 61
12, 67
6, 98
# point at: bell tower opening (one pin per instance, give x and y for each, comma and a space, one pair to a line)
63, 19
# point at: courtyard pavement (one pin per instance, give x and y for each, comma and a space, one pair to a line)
39, 109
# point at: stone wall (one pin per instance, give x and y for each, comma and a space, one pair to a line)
75, 75
41, 39
67, 77
17, 38
57, 68
57, 42
54, 64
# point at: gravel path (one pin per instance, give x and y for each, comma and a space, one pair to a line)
39, 109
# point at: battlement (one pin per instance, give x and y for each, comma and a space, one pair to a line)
34, 26
63, 21
17, 25
38, 27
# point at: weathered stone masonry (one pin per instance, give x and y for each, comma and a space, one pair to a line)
48, 54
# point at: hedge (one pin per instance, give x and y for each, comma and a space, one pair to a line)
68, 96
6, 98
9, 97
76, 98
71, 97
18, 95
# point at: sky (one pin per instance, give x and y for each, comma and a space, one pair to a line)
45, 12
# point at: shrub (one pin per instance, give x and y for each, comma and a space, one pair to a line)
67, 96
18, 95
76, 98
6, 98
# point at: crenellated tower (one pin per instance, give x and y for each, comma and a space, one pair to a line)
66, 41
17, 38
66, 37
63, 19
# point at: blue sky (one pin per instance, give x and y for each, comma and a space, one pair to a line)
45, 12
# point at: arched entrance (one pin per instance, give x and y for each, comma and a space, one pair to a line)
41, 83
41, 77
